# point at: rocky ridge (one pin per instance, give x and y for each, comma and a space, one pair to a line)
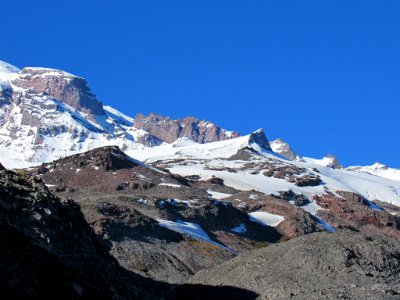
49, 251
125, 201
169, 130
44, 107
195, 197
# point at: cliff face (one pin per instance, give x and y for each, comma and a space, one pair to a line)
61, 85
169, 130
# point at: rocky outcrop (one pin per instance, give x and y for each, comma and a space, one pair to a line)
141, 245
354, 212
297, 222
316, 266
258, 137
331, 161
61, 85
284, 149
169, 130
48, 250
105, 169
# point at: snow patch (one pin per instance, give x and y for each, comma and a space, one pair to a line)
265, 218
171, 185
218, 195
191, 229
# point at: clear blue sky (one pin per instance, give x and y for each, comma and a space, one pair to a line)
322, 75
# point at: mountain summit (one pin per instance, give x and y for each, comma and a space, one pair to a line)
68, 88
47, 114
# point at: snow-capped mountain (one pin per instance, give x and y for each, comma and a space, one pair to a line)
173, 197
46, 114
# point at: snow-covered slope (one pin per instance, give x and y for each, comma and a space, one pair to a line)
7, 71
44, 129
215, 159
377, 169
329, 161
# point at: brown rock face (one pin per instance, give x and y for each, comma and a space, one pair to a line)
61, 85
104, 169
297, 222
351, 211
169, 130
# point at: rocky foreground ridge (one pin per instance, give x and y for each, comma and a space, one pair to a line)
49, 251
316, 266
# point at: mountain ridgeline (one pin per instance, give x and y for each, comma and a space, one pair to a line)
96, 204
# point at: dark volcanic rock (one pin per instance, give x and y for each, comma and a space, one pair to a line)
48, 250
1, 167
141, 245
258, 137
246, 154
104, 169
316, 266
215, 180
299, 199
169, 130
63, 86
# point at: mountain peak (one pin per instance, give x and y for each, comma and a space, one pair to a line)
283, 148
63, 86
332, 162
258, 137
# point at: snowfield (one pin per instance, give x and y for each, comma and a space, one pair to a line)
205, 159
